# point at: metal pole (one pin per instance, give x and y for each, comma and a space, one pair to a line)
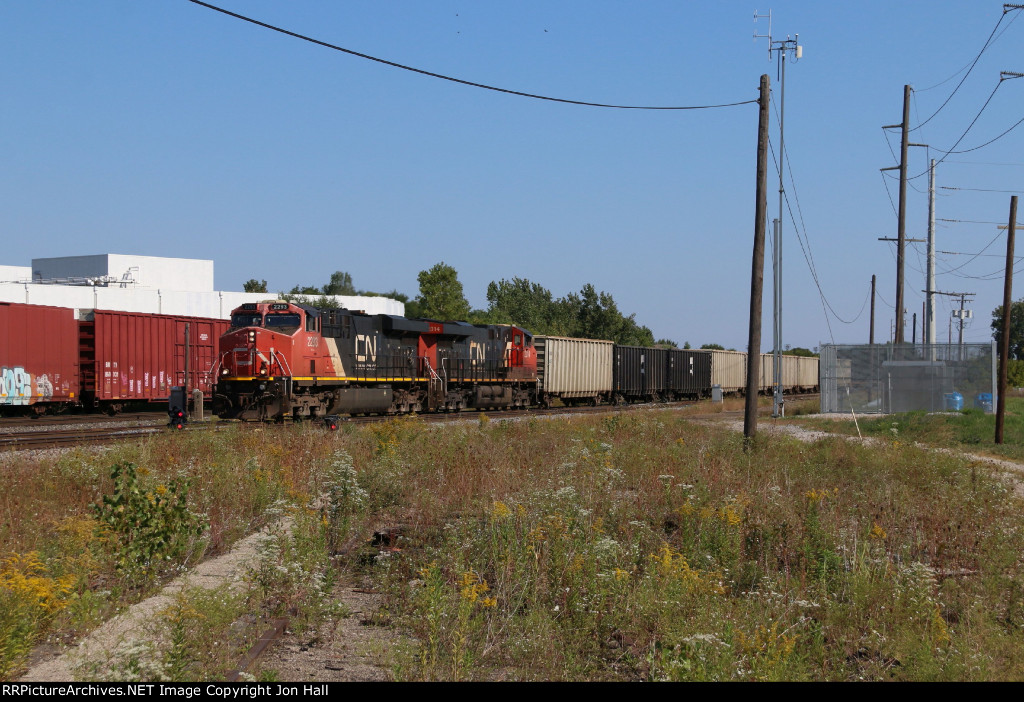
188, 349
960, 343
777, 353
757, 268
1004, 353
871, 334
930, 293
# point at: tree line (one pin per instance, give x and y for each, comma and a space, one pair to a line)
588, 314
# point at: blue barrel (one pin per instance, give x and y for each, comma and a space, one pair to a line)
953, 402
983, 401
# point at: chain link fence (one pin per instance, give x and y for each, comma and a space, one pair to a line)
889, 378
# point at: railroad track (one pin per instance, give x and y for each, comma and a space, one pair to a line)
69, 419
62, 438
57, 434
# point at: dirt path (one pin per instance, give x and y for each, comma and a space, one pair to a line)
346, 649
351, 649
131, 625
1011, 471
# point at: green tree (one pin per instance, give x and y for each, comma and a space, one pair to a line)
341, 284
441, 294
304, 290
527, 304
665, 343
254, 286
597, 317
713, 347
1016, 328
800, 351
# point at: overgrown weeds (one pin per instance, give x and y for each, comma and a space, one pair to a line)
634, 546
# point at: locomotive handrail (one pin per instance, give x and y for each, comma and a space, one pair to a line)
281, 361
435, 376
216, 366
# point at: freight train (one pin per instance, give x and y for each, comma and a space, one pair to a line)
54, 359
283, 360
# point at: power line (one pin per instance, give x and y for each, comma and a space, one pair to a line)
981, 190
990, 141
969, 126
393, 64
970, 64
985, 163
970, 221
988, 42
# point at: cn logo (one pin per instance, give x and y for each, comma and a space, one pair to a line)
366, 348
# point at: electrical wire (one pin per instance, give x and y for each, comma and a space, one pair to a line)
974, 221
810, 266
988, 43
990, 141
889, 193
980, 190
969, 64
969, 126
879, 296
458, 80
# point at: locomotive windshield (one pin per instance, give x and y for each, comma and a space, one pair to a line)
284, 323
246, 319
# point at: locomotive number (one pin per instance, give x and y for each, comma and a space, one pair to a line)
313, 342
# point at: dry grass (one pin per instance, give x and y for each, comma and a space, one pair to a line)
631, 546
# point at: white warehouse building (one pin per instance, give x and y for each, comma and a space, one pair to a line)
147, 284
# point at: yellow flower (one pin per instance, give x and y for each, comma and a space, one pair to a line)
877, 533
500, 511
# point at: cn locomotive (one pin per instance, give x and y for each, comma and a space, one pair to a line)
279, 359
283, 360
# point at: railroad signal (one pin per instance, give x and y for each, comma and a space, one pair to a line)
332, 422
177, 418
175, 407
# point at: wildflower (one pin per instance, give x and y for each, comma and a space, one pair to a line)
471, 586
877, 533
500, 511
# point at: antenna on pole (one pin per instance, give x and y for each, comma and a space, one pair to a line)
779, 48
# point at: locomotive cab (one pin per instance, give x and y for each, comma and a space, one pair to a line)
258, 355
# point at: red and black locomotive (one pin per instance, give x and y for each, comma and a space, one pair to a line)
281, 359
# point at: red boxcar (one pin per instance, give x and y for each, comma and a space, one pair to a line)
130, 356
38, 355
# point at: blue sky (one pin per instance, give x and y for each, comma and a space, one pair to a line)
163, 128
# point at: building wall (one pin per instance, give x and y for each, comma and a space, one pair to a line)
15, 273
151, 272
215, 304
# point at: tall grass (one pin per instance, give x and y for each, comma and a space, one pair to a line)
634, 546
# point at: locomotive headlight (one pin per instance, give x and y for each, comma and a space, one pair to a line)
263, 371
252, 336
223, 371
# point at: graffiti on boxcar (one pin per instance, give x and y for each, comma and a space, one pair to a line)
18, 387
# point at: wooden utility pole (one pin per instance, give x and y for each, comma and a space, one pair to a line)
901, 224
757, 267
901, 231
871, 335
1004, 351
